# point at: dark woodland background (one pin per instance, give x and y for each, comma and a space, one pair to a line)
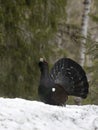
30, 29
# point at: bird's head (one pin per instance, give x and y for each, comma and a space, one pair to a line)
43, 64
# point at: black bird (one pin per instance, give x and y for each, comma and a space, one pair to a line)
65, 78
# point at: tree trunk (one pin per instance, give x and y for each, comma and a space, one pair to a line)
84, 30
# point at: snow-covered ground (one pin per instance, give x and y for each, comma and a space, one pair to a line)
20, 114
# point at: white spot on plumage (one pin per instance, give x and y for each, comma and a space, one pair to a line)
52, 76
62, 67
69, 72
67, 68
53, 89
71, 67
73, 86
79, 78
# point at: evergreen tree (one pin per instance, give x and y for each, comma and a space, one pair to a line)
25, 28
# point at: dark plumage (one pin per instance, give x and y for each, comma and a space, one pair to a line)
65, 78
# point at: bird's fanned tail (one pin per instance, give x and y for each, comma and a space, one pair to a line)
71, 76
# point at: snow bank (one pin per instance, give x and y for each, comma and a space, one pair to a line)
20, 114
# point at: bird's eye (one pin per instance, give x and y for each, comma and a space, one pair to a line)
53, 89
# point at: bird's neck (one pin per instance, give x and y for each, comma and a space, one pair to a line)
44, 73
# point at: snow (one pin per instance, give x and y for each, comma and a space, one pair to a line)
21, 114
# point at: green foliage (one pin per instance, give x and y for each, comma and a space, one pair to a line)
92, 69
94, 18
25, 29
92, 51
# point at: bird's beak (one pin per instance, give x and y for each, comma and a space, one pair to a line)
41, 59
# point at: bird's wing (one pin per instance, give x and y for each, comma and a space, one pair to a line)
71, 76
